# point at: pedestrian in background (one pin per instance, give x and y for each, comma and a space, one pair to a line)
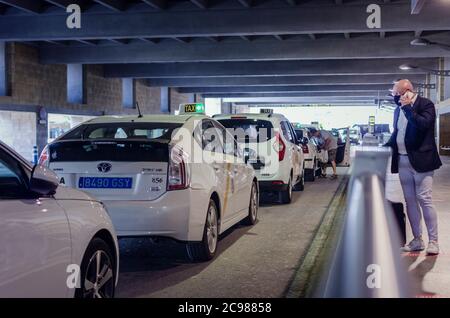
329, 144
415, 157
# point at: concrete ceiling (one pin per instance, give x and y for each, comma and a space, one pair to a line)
258, 48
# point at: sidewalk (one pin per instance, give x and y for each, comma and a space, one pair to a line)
432, 273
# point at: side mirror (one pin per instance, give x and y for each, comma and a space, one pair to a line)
43, 180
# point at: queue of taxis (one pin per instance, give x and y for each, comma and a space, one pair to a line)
272, 147
181, 176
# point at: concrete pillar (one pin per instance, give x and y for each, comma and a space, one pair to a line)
75, 84
446, 84
128, 93
192, 98
440, 83
433, 91
41, 130
165, 100
226, 108
3, 79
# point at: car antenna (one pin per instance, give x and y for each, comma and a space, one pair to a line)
139, 110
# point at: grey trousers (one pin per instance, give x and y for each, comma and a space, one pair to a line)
417, 189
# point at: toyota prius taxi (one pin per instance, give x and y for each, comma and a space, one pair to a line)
177, 176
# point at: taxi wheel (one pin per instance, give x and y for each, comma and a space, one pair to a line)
300, 186
286, 195
253, 206
97, 272
310, 174
206, 249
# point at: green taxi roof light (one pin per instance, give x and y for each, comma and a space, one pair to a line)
192, 108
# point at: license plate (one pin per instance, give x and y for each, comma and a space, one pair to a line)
105, 183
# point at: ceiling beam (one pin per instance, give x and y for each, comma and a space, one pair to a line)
202, 4
281, 80
416, 6
30, 6
266, 68
157, 4
275, 89
271, 49
170, 23
246, 3
63, 4
310, 95
116, 5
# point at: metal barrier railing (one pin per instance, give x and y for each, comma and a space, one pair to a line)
367, 261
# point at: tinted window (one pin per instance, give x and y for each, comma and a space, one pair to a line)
123, 131
212, 137
287, 131
249, 130
126, 150
299, 133
12, 184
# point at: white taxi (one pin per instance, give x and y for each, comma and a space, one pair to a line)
177, 176
54, 241
272, 148
314, 157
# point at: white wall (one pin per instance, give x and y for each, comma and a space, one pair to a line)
333, 116
213, 106
18, 130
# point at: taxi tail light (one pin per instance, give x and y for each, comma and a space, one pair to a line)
305, 149
279, 147
178, 174
44, 158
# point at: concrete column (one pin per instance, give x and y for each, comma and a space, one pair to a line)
165, 100
433, 91
192, 98
440, 83
41, 130
75, 84
128, 93
3, 79
446, 85
226, 108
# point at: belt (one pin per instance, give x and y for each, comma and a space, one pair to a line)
401, 154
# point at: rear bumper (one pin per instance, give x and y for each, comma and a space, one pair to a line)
309, 163
269, 186
171, 215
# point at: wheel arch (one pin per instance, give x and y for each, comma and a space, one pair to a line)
215, 197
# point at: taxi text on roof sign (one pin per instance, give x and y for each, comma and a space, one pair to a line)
192, 108
266, 111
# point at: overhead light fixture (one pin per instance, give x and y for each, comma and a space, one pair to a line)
421, 42
426, 42
407, 67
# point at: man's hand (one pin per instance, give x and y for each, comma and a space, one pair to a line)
406, 100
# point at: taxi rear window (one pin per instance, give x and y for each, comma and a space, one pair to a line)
249, 130
122, 131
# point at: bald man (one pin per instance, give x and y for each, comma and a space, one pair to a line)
415, 157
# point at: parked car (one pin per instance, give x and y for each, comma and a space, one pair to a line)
313, 156
175, 176
270, 144
48, 230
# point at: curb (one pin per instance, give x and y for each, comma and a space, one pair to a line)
302, 282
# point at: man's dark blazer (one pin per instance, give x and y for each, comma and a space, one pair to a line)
419, 138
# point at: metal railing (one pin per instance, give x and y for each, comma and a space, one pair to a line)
367, 261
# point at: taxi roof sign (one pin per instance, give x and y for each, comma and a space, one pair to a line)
192, 108
266, 111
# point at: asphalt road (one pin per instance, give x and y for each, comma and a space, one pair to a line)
256, 261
